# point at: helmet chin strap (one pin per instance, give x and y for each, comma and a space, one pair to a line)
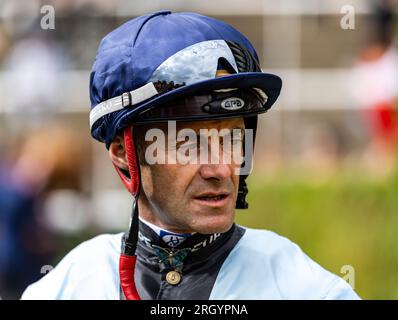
128, 257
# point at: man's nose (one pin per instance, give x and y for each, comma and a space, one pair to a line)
215, 171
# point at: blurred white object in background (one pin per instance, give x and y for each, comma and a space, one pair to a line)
111, 209
66, 211
376, 81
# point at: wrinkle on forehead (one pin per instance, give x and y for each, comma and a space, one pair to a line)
212, 124
231, 123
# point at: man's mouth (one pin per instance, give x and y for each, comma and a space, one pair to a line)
214, 199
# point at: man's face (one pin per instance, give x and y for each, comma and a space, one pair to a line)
189, 197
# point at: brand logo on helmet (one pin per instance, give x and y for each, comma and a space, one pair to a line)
232, 103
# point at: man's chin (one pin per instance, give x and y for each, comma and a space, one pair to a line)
214, 227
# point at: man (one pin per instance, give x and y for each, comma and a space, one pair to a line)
162, 86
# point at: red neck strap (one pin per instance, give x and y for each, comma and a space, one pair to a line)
132, 182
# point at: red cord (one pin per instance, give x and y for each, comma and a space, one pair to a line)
126, 274
132, 183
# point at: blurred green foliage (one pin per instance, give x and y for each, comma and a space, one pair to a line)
345, 219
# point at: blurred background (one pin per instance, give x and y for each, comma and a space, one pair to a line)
325, 172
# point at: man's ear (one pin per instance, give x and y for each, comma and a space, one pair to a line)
117, 153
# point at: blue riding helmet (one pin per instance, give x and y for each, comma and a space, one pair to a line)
160, 57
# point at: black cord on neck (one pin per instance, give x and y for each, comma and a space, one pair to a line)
132, 236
